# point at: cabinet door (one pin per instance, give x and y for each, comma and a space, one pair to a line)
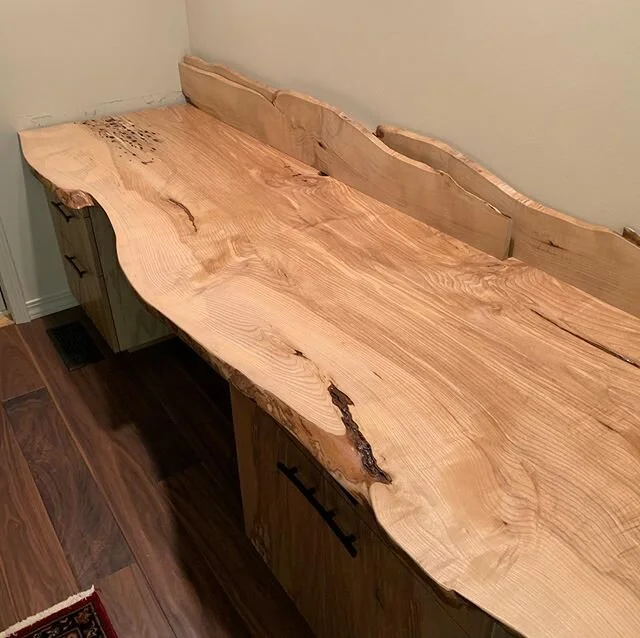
346, 580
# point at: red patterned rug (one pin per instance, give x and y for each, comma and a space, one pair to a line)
81, 616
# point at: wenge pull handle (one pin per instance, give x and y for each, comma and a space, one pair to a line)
72, 260
328, 516
60, 208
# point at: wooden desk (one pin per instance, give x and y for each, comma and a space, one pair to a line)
469, 425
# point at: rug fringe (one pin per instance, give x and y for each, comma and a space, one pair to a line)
72, 600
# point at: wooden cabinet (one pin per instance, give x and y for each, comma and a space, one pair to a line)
344, 576
88, 246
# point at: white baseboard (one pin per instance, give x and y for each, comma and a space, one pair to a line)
56, 302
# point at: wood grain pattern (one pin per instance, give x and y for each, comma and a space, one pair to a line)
88, 533
505, 419
129, 456
121, 404
33, 571
223, 545
17, 372
127, 470
230, 74
194, 411
371, 593
592, 258
322, 136
206, 379
127, 441
131, 605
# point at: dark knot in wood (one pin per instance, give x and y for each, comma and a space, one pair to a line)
343, 402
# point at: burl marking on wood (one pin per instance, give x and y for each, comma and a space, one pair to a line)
127, 136
342, 402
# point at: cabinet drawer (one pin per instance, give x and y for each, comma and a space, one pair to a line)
89, 290
346, 578
82, 267
74, 231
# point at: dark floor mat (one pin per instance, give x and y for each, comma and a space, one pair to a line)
74, 345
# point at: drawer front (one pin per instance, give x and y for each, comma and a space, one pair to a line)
344, 578
74, 231
89, 290
82, 267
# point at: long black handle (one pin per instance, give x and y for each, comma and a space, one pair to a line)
328, 516
72, 260
60, 208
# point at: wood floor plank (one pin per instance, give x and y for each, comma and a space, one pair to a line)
203, 375
34, 573
122, 403
131, 605
194, 413
128, 477
225, 548
18, 375
91, 539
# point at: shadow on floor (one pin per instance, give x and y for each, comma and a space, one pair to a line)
154, 429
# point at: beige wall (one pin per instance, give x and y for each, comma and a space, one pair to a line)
545, 93
67, 60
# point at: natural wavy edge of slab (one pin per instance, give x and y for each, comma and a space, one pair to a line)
73, 199
591, 257
321, 136
230, 74
632, 235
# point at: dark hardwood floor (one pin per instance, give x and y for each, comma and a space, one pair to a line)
122, 475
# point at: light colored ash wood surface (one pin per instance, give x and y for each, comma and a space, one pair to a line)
230, 74
323, 137
488, 412
368, 593
592, 258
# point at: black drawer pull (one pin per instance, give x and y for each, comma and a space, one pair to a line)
72, 260
328, 516
60, 208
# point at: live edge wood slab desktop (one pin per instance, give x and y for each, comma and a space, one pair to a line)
434, 430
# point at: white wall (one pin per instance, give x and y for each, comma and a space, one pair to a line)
68, 60
544, 93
